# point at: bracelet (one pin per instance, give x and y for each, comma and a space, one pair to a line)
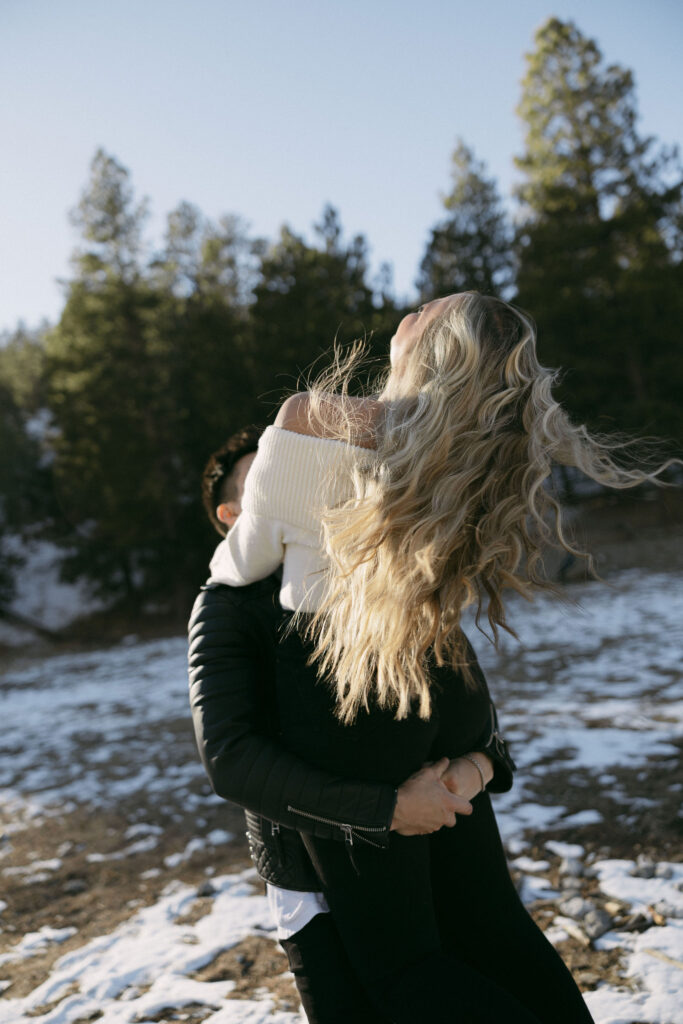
477, 765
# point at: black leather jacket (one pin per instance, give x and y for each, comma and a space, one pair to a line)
232, 644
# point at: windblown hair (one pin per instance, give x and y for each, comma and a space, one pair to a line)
454, 509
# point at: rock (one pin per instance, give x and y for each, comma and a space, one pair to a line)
636, 923
645, 868
666, 909
73, 886
613, 908
206, 889
596, 923
576, 907
576, 932
571, 882
572, 866
663, 871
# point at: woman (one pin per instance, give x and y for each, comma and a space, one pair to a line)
390, 515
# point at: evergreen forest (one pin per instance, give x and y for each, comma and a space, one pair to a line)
108, 416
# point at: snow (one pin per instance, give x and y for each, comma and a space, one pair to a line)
616, 880
656, 959
534, 888
73, 721
40, 595
35, 942
37, 865
565, 849
529, 864
150, 948
592, 687
587, 817
141, 846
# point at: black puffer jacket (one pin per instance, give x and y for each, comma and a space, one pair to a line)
232, 645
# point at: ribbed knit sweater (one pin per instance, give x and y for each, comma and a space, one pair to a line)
291, 480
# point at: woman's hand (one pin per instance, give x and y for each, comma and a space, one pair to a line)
425, 804
462, 778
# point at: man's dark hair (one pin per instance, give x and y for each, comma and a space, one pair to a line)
217, 483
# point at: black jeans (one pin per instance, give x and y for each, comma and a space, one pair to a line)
432, 925
328, 987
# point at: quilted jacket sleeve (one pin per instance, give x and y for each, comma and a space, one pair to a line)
230, 711
493, 744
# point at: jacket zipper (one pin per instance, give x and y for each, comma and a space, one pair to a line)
495, 735
348, 830
275, 833
498, 741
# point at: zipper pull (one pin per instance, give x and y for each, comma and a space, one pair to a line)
500, 744
495, 736
275, 833
494, 723
348, 844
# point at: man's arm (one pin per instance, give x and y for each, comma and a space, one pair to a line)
252, 769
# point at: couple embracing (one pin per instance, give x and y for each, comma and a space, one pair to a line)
335, 695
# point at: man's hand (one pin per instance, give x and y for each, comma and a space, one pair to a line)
425, 804
462, 777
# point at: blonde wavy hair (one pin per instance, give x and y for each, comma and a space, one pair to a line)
454, 509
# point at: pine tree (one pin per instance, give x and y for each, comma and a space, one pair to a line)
110, 396
599, 239
308, 297
471, 248
148, 375
23, 478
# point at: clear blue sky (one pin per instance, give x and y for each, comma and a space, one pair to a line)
270, 108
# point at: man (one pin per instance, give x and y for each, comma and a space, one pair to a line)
233, 637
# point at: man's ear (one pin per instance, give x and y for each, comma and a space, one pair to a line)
227, 513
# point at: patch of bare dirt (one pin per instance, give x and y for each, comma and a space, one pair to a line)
591, 966
622, 530
256, 962
96, 896
194, 1013
628, 828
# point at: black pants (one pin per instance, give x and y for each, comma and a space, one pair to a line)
329, 989
432, 926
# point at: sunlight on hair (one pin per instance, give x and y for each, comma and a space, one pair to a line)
454, 509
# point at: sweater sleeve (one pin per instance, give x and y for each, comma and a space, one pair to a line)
252, 550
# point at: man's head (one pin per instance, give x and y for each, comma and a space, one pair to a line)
224, 475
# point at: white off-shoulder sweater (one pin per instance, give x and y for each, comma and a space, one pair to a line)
291, 480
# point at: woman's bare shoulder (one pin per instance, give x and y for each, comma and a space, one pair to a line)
295, 414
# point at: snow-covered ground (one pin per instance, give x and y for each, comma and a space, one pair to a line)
593, 695
40, 595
